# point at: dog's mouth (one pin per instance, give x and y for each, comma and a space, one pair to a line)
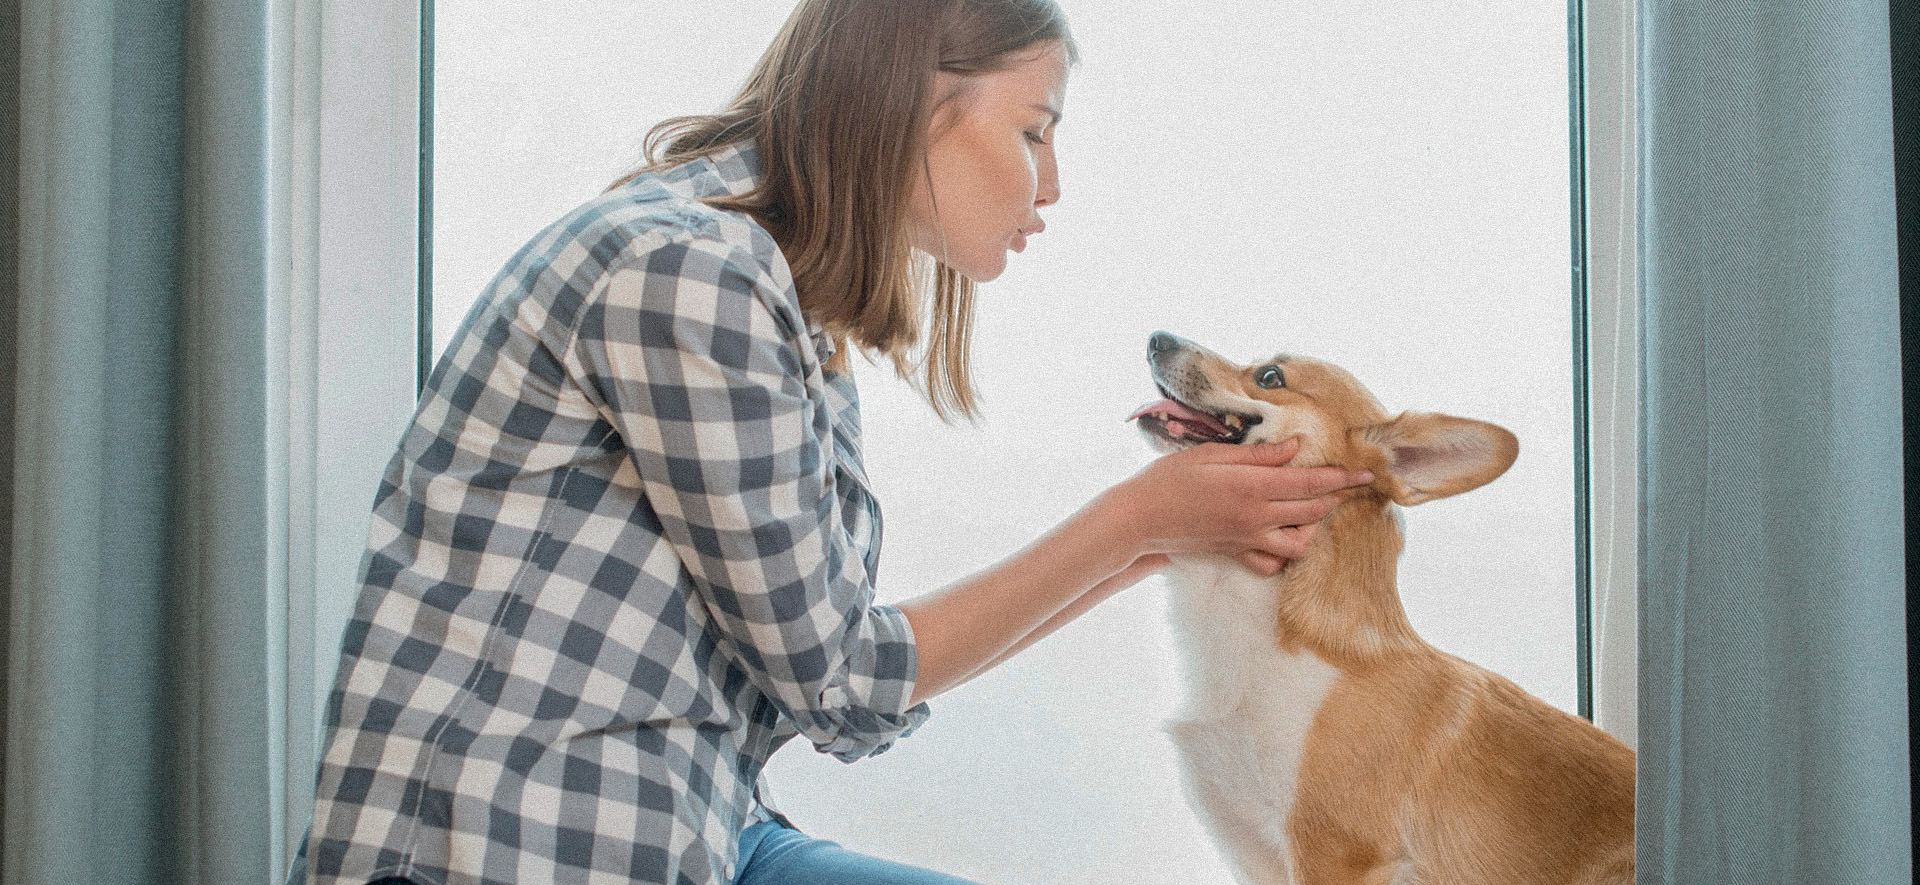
1176, 422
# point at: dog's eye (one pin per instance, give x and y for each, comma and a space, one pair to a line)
1270, 377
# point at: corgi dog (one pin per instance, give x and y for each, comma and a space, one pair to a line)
1325, 743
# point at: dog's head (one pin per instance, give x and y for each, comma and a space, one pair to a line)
1415, 457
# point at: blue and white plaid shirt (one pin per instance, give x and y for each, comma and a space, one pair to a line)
625, 551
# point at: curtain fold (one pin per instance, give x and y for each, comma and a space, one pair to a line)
136, 599
1773, 695
9, 297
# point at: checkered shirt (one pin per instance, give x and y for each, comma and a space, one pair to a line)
625, 551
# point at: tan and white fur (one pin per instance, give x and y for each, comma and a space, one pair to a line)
1325, 742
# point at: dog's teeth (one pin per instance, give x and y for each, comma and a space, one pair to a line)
1233, 422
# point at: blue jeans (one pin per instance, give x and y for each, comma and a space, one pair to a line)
771, 854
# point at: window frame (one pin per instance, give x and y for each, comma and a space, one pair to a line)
343, 327
1607, 169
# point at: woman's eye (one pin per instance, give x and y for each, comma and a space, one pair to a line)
1035, 138
1270, 377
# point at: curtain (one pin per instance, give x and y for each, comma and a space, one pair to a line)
1906, 151
1773, 687
135, 607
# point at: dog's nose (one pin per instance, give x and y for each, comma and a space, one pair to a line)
1163, 341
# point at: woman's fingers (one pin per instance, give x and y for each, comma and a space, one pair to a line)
1235, 499
1253, 455
1279, 547
1296, 513
1293, 483
1263, 564
1270, 454
1288, 542
1299, 483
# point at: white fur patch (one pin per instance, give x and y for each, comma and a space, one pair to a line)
1248, 713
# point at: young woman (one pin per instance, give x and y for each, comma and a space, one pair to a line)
626, 549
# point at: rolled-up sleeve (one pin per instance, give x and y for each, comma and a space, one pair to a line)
694, 349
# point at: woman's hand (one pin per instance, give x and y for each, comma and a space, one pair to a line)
1240, 501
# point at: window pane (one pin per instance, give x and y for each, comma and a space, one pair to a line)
1385, 190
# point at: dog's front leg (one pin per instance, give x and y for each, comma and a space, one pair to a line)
1246, 815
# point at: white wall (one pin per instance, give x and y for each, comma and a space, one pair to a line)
1369, 182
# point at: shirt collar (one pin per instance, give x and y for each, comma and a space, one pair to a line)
735, 169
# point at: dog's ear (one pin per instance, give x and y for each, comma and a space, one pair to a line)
1422, 456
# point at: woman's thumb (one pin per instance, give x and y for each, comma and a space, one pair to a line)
1274, 454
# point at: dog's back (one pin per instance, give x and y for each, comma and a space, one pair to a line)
1464, 777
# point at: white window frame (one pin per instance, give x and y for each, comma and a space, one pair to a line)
343, 334
1609, 63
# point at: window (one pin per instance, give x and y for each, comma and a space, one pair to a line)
1385, 190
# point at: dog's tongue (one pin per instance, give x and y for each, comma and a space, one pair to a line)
1178, 411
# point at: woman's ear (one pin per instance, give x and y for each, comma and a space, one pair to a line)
1423, 456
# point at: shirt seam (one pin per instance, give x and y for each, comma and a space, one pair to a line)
482, 662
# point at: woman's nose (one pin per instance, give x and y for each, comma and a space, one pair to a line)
1047, 195
1048, 192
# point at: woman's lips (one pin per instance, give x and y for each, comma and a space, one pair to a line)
1020, 235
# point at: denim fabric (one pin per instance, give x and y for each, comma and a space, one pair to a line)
771, 854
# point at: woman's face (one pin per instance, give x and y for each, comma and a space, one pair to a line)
990, 163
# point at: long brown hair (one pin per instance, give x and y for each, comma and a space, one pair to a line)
838, 108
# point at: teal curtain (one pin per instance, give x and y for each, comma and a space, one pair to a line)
1773, 684
135, 206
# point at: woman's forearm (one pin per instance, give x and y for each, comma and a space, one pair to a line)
1127, 577
966, 628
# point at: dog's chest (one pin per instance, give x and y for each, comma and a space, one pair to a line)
1250, 704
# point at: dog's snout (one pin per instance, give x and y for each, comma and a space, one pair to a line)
1161, 342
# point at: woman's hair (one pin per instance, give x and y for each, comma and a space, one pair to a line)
838, 108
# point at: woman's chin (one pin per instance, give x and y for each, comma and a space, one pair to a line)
981, 271
981, 266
